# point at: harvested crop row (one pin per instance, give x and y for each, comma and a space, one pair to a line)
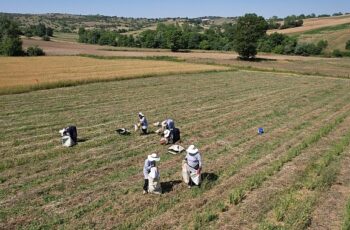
261, 200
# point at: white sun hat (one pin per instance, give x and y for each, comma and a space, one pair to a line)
167, 133
192, 150
141, 114
153, 157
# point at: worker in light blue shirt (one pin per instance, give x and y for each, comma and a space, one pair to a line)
143, 123
194, 165
168, 124
149, 163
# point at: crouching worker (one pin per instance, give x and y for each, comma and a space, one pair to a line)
143, 124
192, 167
170, 136
69, 136
167, 124
151, 175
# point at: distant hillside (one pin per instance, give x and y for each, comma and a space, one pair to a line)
335, 30
69, 23
316, 23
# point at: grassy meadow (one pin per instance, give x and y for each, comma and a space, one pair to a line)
284, 179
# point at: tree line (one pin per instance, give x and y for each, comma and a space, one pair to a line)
174, 37
10, 42
247, 36
40, 30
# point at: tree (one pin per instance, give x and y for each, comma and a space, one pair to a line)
176, 41
10, 43
40, 30
249, 29
49, 31
11, 47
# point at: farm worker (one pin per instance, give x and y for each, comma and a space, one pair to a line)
154, 180
192, 166
149, 164
143, 123
170, 136
168, 124
166, 137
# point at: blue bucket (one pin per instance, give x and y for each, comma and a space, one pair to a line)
260, 131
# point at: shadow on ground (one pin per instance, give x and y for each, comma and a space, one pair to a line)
210, 177
81, 140
256, 59
169, 185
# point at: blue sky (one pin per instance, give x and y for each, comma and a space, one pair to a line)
176, 8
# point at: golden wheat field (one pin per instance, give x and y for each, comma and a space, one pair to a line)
32, 71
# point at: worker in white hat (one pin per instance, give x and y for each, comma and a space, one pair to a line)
143, 123
192, 166
150, 162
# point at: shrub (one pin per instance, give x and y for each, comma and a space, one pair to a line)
337, 53
307, 49
347, 45
35, 51
46, 38
278, 49
277, 43
291, 22
322, 44
337, 14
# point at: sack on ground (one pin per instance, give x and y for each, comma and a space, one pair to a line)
154, 181
123, 131
175, 149
196, 178
69, 136
67, 141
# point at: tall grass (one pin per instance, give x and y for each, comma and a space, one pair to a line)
346, 223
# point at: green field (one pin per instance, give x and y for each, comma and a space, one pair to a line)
284, 178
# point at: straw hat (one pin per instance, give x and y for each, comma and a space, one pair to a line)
167, 133
192, 150
153, 157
